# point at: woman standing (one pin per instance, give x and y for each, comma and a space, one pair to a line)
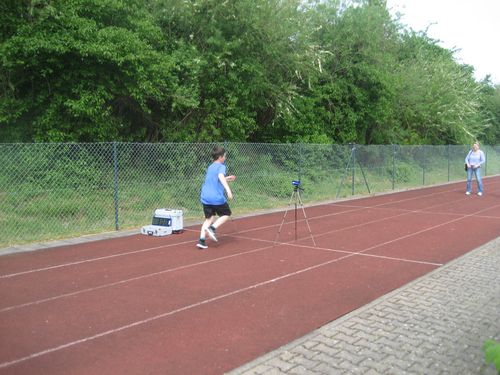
474, 159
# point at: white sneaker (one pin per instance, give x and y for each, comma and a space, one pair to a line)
201, 244
211, 232
467, 193
479, 193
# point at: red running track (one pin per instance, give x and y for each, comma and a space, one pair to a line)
149, 305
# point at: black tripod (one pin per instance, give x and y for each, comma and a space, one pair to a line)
295, 198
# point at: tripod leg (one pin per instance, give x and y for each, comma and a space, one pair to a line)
307, 222
284, 216
295, 220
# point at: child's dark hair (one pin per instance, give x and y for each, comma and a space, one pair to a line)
217, 152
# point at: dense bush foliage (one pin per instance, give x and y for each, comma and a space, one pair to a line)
334, 71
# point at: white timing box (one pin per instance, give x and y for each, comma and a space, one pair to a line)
156, 230
165, 222
174, 215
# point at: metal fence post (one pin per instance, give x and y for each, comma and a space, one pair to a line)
115, 179
423, 166
353, 166
448, 154
393, 166
225, 145
300, 161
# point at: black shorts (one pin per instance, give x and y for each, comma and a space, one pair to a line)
219, 209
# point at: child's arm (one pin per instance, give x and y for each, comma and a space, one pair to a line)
224, 183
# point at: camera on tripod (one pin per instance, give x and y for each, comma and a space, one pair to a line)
297, 201
296, 185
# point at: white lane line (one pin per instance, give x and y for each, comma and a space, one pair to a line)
69, 264
91, 260
191, 306
166, 314
366, 255
8, 308
124, 281
361, 252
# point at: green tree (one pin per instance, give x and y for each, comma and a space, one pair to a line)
352, 96
249, 55
83, 70
490, 111
242, 70
437, 99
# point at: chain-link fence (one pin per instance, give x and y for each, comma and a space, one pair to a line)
60, 190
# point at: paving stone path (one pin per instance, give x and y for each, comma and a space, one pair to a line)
436, 324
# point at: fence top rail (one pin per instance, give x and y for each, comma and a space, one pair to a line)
233, 143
